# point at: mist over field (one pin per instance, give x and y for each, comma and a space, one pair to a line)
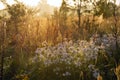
60, 40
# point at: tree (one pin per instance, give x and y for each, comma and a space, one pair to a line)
63, 18
104, 7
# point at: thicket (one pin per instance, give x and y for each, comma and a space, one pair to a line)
76, 42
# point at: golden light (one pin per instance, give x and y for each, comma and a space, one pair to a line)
55, 3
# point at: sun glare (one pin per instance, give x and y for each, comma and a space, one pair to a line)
31, 2
56, 3
10, 2
118, 2
1, 6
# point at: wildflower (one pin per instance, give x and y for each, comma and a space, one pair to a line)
95, 73
63, 74
91, 66
67, 73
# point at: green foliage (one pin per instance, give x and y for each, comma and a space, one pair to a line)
105, 8
16, 11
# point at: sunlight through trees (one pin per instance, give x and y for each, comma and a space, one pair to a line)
62, 40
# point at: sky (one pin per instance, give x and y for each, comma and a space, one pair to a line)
55, 3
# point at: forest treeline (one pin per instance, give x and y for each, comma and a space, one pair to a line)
24, 28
